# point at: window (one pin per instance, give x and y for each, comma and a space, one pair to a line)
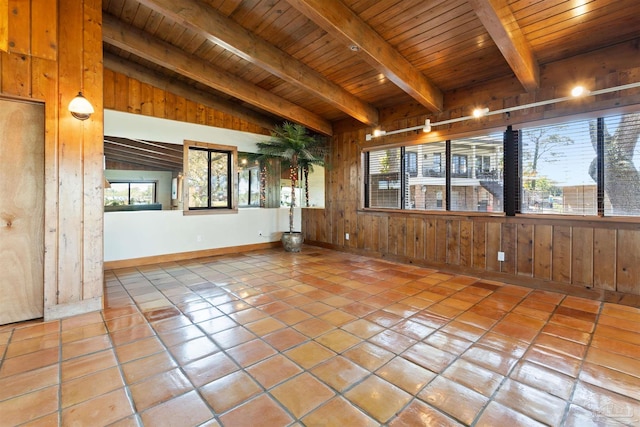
476, 165
384, 178
249, 187
411, 158
556, 163
130, 193
209, 171
427, 192
437, 169
621, 164
483, 166
459, 166
248, 181
580, 167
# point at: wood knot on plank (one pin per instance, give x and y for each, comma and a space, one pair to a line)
7, 220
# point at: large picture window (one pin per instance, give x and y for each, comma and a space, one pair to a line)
473, 183
581, 167
556, 160
210, 170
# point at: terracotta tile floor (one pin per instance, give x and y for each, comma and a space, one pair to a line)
322, 338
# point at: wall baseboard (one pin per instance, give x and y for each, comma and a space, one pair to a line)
181, 256
60, 311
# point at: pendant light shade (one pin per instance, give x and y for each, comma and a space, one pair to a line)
80, 107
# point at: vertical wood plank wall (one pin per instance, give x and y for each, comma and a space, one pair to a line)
54, 51
126, 94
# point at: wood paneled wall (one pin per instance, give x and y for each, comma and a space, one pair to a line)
53, 50
597, 257
127, 94
565, 255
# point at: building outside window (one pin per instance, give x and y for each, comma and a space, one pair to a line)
459, 166
411, 159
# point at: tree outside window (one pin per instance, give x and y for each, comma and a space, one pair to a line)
209, 176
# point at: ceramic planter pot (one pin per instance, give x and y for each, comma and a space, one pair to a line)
292, 242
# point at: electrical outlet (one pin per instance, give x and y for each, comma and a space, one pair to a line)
346, 236
198, 238
500, 256
259, 233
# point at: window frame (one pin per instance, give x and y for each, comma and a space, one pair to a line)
129, 182
232, 170
248, 169
411, 159
459, 165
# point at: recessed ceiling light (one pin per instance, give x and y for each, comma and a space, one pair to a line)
354, 48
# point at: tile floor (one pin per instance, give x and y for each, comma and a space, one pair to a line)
322, 338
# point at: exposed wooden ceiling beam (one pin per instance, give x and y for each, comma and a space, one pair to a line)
497, 18
141, 44
121, 156
337, 19
144, 75
214, 26
118, 153
169, 152
156, 154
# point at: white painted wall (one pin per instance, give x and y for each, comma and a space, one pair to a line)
139, 234
149, 233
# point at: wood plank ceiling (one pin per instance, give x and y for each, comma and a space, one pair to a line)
319, 61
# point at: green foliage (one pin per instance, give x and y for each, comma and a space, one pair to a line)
543, 184
389, 161
291, 144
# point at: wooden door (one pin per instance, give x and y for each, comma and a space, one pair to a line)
21, 210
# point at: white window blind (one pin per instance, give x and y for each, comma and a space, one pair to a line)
558, 169
385, 184
476, 174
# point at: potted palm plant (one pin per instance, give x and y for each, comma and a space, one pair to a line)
294, 147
